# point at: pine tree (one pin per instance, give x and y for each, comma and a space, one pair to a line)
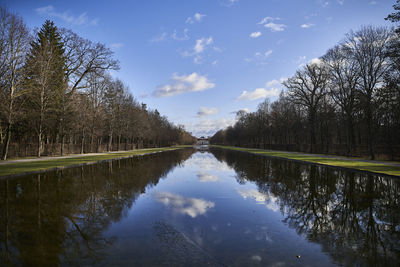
46, 82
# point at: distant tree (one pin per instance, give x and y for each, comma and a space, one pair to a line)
45, 79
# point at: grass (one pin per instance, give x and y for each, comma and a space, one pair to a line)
37, 166
343, 162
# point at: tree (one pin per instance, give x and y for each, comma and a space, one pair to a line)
14, 42
395, 17
45, 79
344, 79
307, 88
368, 48
84, 57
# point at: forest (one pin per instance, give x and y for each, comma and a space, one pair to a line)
346, 102
58, 96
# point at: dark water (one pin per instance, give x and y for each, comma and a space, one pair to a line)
188, 208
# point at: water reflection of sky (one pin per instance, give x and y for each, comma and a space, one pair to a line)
184, 205
234, 222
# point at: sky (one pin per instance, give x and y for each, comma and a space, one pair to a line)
198, 62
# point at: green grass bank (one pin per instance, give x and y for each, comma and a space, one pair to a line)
388, 168
33, 165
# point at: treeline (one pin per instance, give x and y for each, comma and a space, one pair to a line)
57, 96
346, 102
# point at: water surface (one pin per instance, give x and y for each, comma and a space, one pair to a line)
200, 208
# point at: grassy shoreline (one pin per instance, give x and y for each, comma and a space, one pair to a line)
36, 166
339, 161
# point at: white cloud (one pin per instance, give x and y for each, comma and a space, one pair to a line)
228, 3
315, 61
268, 22
208, 127
184, 37
82, 19
267, 53
199, 48
275, 82
255, 34
323, 3
307, 25
372, 3
206, 111
201, 44
341, 2
197, 17
271, 89
159, 38
272, 83
184, 205
274, 27
185, 83
259, 93
260, 57
206, 177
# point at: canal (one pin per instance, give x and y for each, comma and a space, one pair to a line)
200, 208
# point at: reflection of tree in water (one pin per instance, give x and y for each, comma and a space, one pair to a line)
60, 217
354, 216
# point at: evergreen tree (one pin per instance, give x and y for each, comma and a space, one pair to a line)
46, 82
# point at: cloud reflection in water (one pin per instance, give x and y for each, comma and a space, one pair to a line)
261, 198
206, 177
184, 205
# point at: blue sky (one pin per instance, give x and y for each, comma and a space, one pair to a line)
200, 61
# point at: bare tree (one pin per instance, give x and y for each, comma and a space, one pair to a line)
367, 47
14, 45
344, 79
85, 57
307, 88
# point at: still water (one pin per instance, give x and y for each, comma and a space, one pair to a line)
200, 208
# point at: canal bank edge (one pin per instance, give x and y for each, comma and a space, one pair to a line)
376, 167
26, 167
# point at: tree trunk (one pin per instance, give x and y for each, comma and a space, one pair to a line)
6, 142
119, 142
109, 142
370, 135
312, 130
62, 145
82, 141
39, 142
